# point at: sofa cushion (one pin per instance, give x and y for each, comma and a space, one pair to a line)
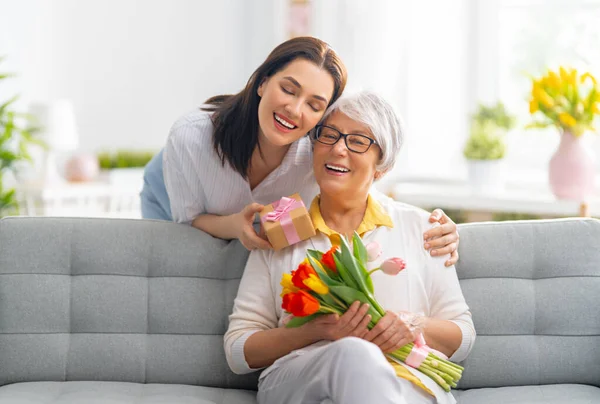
533, 289
120, 393
551, 394
116, 300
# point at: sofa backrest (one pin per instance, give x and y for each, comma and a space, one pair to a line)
148, 301
116, 300
534, 291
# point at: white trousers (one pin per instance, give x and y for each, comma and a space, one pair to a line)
347, 371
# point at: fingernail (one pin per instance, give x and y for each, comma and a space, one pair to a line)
434, 252
427, 245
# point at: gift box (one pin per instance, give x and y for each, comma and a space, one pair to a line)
286, 222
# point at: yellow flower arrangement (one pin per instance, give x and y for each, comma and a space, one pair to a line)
566, 99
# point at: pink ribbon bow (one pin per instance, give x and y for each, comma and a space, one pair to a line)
281, 214
420, 351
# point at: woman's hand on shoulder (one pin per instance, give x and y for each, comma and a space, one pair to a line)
442, 239
243, 221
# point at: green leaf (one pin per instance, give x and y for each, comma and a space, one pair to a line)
299, 321
360, 251
318, 256
7, 103
356, 273
350, 295
361, 255
351, 265
344, 275
322, 274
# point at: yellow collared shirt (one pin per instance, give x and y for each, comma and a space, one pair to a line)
374, 217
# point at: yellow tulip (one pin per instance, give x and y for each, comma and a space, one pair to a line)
573, 77
288, 285
553, 80
596, 108
534, 106
564, 76
586, 76
543, 97
567, 119
316, 284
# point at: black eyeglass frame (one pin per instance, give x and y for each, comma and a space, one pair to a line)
345, 136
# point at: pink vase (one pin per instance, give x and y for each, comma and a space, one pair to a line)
572, 169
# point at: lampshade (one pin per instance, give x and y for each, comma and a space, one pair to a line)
56, 120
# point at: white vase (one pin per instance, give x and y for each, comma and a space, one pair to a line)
486, 176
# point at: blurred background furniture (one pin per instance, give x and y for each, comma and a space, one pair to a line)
532, 199
92, 199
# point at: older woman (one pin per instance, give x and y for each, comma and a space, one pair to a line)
337, 358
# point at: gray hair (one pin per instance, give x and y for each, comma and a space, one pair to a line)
378, 115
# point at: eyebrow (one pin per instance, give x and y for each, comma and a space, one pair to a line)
356, 132
295, 82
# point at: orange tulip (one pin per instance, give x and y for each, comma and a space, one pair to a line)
300, 304
328, 260
303, 272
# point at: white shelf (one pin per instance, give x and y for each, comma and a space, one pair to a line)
530, 199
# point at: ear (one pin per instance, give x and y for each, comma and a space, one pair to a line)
261, 89
379, 174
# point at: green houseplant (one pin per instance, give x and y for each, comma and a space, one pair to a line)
125, 167
17, 134
488, 129
486, 147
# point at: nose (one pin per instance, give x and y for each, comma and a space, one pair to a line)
293, 108
340, 148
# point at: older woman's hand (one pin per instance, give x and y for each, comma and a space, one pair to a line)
443, 239
353, 323
390, 333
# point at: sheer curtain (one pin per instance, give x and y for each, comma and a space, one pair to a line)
415, 54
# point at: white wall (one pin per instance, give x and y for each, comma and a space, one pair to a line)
131, 67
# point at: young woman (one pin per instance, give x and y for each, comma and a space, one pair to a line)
223, 162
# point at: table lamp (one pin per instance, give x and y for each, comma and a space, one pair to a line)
56, 120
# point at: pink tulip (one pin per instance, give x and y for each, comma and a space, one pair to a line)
373, 251
393, 266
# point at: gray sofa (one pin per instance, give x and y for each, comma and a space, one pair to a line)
126, 311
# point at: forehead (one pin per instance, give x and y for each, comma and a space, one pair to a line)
311, 77
344, 123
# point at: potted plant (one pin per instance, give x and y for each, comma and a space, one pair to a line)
125, 166
486, 147
17, 134
570, 102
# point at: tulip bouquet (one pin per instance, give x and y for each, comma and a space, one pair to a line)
326, 283
565, 99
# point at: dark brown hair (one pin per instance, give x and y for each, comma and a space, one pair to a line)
235, 117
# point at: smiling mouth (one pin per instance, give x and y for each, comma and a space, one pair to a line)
337, 169
284, 122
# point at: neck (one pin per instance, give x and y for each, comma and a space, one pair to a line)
265, 160
343, 215
272, 155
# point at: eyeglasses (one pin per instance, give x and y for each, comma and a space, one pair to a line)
355, 143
